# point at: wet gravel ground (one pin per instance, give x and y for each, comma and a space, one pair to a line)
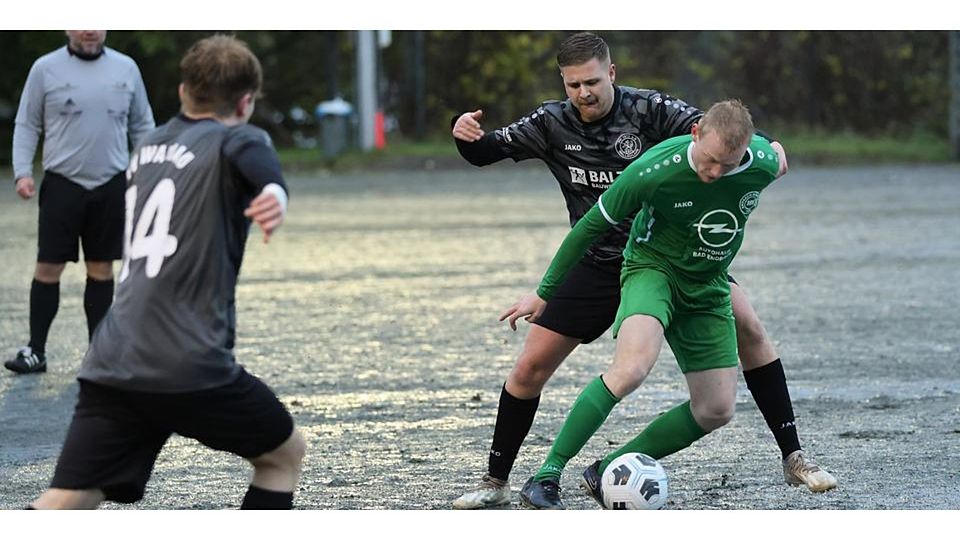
373, 316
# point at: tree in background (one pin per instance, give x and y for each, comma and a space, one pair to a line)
869, 82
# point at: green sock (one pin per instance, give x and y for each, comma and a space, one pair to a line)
672, 431
586, 416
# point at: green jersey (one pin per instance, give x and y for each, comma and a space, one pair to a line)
692, 227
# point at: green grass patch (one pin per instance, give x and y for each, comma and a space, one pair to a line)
400, 154
802, 147
850, 148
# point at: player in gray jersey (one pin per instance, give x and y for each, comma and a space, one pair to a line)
161, 362
586, 141
89, 103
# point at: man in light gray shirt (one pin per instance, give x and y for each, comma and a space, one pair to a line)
90, 104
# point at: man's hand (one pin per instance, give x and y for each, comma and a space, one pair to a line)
25, 187
267, 212
530, 307
467, 128
783, 158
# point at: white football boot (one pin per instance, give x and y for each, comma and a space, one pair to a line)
800, 470
490, 493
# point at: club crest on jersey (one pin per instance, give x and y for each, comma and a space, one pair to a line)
717, 228
749, 202
628, 146
578, 175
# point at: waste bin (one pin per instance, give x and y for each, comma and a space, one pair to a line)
335, 117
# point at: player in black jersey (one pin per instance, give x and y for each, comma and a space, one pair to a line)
586, 141
161, 362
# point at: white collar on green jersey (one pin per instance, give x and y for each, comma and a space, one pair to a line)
740, 168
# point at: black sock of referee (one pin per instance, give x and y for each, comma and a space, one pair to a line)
97, 297
514, 418
264, 499
44, 303
768, 384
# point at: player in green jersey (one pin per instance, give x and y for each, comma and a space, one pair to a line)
581, 142
693, 195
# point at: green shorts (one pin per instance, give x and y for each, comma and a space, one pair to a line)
697, 316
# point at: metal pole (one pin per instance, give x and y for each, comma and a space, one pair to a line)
366, 86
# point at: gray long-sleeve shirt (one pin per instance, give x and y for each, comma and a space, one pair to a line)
89, 112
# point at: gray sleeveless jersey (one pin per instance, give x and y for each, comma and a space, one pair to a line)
586, 158
172, 325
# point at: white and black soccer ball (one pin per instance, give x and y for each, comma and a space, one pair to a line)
634, 481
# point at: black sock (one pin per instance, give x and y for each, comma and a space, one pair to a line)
768, 384
44, 303
97, 298
514, 418
264, 499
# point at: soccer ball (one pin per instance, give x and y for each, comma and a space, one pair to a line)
634, 481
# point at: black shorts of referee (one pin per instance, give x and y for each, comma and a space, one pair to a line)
71, 215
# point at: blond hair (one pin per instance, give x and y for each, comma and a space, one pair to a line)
732, 122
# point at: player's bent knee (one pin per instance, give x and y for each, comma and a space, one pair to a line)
532, 371
296, 448
288, 455
528, 374
713, 416
624, 379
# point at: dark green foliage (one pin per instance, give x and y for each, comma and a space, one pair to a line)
875, 83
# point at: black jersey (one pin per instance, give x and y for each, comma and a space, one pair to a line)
172, 325
586, 158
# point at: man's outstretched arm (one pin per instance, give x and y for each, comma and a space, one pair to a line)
474, 145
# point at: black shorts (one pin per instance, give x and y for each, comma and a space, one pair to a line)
586, 303
70, 214
115, 435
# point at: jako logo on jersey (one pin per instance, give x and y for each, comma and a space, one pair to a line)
718, 228
573, 148
683, 204
628, 146
749, 202
578, 176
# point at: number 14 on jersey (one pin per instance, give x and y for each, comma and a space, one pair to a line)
154, 219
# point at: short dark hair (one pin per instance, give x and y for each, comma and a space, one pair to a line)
580, 48
217, 71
